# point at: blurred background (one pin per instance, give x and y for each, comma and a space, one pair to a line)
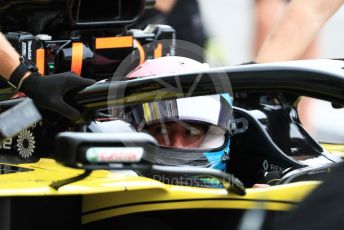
234, 38
231, 31
231, 27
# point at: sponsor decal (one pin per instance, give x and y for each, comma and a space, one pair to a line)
6, 144
24, 53
114, 154
29, 53
271, 167
26, 144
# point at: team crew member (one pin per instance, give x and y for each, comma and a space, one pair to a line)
47, 92
297, 29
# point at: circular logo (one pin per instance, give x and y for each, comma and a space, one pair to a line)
26, 144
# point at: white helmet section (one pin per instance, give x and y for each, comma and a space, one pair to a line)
212, 109
202, 108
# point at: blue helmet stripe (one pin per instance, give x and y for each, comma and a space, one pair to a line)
215, 158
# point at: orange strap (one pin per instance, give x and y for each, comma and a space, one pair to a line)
77, 54
158, 51
114, 42
141, 51
40, 60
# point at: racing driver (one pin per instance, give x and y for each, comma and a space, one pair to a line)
192, 131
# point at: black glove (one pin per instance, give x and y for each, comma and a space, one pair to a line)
48, 92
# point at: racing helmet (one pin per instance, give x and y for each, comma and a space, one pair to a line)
191, 131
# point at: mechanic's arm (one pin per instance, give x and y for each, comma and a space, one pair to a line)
298, 27
47, 92
165, 6
268, 13
8, 56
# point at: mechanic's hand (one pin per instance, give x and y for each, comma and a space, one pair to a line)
48, 92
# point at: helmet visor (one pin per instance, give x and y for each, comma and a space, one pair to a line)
186, 123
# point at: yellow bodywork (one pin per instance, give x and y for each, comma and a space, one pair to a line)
337, 149
107, 194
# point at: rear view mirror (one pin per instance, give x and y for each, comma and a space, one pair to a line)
96, 150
